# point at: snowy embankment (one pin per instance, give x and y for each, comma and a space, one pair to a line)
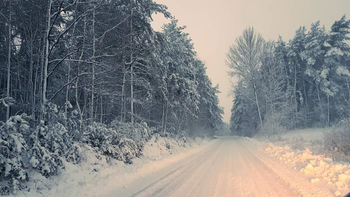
97, 175
303, 150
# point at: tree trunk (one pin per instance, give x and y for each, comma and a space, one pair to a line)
77, 81
295, 95
131, 72
257, 105
8, 64
319, 103
67, 91
122, 114
163, 115
166, 116
46, 64
93, 66
77, 101
306, 105
132, 94
69, 69
328, 112
34, 91
30, 79
101, 117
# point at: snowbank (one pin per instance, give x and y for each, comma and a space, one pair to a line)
316, 167
312, 138
97, 174
304, 150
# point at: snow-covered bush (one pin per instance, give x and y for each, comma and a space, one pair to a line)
124, 150
73, 125
51, 143
74, 154
121, 141
139, 132
337, 141
134, 137
97, 134
45, 153
13, 154
57, 133
42, 148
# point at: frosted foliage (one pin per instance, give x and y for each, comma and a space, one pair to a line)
326, 44
46, 162
51, 143
311, 61
42, 149
121, 141
12, 145
341, 70
334, 52
324, 73
7, 101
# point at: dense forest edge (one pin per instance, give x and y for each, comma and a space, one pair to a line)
94, 73
303, 83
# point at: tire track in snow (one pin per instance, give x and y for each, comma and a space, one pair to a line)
229, 167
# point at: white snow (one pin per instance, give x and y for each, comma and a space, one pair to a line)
18, 143
315, 166
341, 70
231, 166
222, 167
95, 177
334, 51
324, 73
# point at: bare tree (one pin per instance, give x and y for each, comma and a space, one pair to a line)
244, 60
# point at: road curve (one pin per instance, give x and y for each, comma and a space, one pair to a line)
230, 167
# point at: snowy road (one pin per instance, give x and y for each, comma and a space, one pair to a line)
229, 167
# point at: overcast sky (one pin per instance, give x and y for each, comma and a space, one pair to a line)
214, 25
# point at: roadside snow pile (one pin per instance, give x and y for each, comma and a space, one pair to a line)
317, 167
159, 147
97, 174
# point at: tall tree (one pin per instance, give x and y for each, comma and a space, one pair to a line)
244, 61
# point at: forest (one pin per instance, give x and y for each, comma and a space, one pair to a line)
302, 83
94, 73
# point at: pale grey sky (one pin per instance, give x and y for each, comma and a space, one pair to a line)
214, 25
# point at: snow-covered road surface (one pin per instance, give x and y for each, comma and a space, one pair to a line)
228, 167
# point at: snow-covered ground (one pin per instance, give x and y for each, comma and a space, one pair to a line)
311, 134
96, 176
231, 166
301, 139
302, 150
227, 166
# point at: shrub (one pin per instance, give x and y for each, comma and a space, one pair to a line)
42, 148
45, 150
122, 141
12, 154
51, 142
139, 132
337, 142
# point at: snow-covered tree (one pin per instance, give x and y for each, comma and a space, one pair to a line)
244, 61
